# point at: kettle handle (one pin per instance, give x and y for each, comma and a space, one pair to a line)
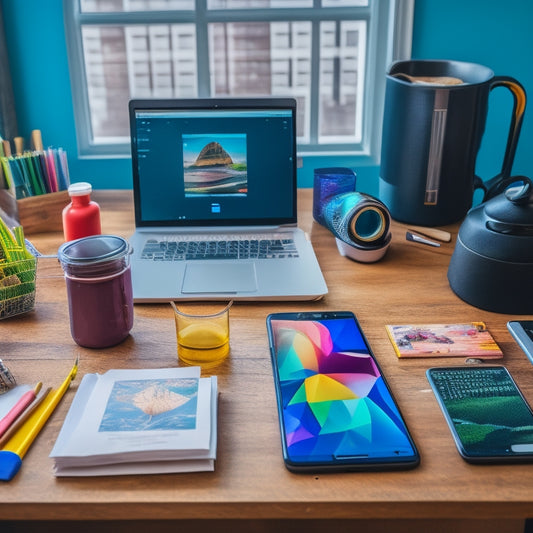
499, 183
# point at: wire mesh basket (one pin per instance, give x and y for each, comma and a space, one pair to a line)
17, 286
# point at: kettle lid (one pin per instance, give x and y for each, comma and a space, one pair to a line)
502, 228
511, 213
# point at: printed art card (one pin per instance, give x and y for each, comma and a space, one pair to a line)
444, 340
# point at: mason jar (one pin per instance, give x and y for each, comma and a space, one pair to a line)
99, 290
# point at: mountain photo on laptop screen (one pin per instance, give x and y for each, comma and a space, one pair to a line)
215, 164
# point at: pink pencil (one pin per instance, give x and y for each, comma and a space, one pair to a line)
25, 400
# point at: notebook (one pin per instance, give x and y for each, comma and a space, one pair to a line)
214, 184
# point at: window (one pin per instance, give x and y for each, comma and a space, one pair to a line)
330, 55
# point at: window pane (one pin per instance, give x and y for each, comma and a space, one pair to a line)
94, 6
236, 4
258, 59
157, 61
342, 56
107, 79
341, 3
246, 59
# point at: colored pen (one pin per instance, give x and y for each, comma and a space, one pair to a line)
25, 400
8, 435
15, 449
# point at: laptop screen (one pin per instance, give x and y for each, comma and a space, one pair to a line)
214, 162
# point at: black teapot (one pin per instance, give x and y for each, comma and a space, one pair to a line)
492, 263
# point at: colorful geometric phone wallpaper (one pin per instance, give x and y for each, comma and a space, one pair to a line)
335, 403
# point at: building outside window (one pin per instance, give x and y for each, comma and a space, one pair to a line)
327, 54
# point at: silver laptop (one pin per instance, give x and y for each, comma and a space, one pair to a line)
214, 184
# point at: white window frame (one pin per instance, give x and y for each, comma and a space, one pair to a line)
389, 36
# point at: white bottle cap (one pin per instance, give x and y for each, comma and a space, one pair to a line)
79, 189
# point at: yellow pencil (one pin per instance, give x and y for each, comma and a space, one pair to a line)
15, 449
8, 435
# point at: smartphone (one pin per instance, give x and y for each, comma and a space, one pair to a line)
336, 411
488, 416
522, 332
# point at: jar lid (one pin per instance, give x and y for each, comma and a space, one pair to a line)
79, 189
93, 249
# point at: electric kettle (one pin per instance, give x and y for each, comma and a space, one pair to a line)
492, 263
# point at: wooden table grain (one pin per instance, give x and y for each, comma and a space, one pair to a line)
250, 489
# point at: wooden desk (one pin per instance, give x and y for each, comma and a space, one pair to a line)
251, 490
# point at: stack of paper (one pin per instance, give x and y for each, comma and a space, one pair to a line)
139, 422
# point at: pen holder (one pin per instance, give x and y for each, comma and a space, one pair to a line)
38, 214
17, 287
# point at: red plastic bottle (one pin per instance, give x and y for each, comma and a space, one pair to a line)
81, 218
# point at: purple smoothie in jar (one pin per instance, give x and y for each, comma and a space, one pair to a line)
99, 290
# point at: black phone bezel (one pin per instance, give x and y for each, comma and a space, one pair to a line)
463, 452
335, 465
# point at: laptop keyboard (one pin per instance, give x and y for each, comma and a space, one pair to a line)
471, 383
220, 248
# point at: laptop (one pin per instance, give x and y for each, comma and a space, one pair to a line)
214, 184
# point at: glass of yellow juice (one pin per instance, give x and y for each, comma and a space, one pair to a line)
202, 333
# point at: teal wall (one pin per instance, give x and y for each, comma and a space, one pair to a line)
495, 33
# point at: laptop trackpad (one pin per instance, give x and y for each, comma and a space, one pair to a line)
219, 277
